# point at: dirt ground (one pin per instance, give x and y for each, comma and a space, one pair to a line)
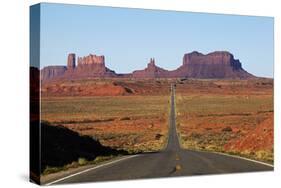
135, 120
233, 116
227, 116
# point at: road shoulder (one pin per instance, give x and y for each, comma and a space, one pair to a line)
59, 176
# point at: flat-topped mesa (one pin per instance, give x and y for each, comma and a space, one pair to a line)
218, 57
91, 66
87, 67
90, 59
214, 58
51, 72
218, 64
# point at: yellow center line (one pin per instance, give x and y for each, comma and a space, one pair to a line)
177, 157
178, 167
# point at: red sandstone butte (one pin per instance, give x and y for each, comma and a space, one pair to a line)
215, 65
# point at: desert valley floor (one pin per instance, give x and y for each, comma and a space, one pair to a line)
132, 116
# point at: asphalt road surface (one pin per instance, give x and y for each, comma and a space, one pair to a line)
172, 161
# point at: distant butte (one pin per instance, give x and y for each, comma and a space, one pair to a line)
215, 65
152, 71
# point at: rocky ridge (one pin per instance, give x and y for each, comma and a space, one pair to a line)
215, 65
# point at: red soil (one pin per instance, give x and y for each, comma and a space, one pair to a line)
261, 138
59, 89
131, 134
97, 87
226, 87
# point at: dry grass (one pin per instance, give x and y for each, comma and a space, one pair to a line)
133, 123
76, 164
208, 121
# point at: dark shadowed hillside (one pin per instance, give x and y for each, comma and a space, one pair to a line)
61, 146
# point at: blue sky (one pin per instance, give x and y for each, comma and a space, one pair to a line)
129, 37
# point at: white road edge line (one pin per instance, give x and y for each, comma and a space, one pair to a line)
89, 169
239, 157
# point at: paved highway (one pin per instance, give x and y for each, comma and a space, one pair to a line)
172, 161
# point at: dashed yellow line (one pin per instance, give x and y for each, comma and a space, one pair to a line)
177, 157
178, 167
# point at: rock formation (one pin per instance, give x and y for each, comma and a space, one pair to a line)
50, 72
90, 59
151, 71
88, 66
220, 64
71, 61
215, 65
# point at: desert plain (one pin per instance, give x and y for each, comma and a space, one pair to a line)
228, 116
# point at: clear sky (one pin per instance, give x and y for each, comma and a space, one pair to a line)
129, 37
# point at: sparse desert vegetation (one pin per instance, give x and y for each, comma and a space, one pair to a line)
233, 116
227, 116
128, 122
105, 87
135, 123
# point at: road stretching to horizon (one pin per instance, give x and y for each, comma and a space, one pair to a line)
170, 162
